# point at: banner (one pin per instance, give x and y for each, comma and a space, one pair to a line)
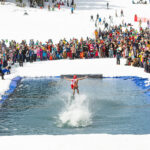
137, 19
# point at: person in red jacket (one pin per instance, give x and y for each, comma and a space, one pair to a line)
96, 54
74, 83
59, 6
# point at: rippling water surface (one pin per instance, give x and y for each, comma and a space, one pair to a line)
44, 106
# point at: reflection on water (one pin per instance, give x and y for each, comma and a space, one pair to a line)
44, 106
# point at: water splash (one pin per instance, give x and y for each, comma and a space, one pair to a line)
76, 112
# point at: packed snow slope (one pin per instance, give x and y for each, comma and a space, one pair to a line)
43, 25
105, 66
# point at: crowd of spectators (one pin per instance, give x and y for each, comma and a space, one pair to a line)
52, 4
117, 42
140, 1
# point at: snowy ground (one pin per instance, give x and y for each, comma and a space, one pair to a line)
43, 25
76, 142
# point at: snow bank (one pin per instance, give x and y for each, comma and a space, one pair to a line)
4, 86
105, 66
76, 142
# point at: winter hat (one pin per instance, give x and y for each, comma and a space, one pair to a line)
74, 77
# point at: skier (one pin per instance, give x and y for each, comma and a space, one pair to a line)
122, 15
92, 19
107, 5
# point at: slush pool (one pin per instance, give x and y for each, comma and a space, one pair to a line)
44, 106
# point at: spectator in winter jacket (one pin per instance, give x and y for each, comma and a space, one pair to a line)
118, 57
72, 9
20, 59
1, 72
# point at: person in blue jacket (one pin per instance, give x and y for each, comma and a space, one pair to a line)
6, 71
72, 9
100, 20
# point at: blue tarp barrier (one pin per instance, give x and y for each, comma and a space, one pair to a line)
10, 91
12, 87
4, 97
141, 82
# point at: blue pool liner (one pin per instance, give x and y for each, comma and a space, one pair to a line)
141, 82
13, 85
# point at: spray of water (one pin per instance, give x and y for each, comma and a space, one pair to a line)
76, 112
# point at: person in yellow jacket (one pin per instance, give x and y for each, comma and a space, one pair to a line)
96, 34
